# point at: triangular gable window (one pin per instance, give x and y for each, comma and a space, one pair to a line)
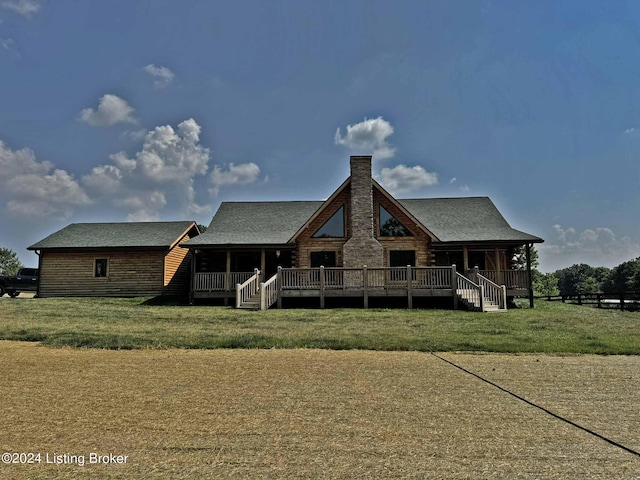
390, 226
334, 227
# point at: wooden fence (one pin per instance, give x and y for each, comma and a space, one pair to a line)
629, 301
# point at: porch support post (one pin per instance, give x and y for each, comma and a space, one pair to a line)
454, 286
409, 292
321, 286
279, 286
529, 275
227, 279
465, 260
228, 285
365, 287
191, 283
499, 272
263, 262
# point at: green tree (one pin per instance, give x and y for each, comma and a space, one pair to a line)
580, 278
545, 284
9, 262
624, 278
519, 258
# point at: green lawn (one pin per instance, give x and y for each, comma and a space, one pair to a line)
138, 323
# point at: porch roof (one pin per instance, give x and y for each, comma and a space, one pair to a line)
465, 219
255, 223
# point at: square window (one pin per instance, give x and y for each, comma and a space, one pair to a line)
101, 267
402, 258
325, 259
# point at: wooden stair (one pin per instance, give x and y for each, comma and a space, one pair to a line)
472, 301
253, 303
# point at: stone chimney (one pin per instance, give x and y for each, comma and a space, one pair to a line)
362, 248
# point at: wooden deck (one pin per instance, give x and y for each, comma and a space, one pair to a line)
322, 283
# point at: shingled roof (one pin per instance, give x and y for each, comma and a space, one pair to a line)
255, 223
465, 219
116, 235
468, 219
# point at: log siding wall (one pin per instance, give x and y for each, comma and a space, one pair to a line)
420, 242
307, 244
129, 274
177, 269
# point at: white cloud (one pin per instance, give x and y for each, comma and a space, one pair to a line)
165, 167
111, 110
169, 155
14, 162
103, 180
25, 8
465, 188
162, 76
402, 179
36, 188
143, 207
368, 137
136, 135
241, 174
593, 246
6, 43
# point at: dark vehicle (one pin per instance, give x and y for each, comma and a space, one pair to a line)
25, 281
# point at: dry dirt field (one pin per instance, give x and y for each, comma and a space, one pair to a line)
315, 414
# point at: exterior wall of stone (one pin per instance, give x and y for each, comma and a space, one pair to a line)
362, 248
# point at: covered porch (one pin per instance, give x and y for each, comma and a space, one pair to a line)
217, 271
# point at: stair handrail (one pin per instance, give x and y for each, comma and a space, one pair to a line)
269, 292
249, 288
470, 290
492, 291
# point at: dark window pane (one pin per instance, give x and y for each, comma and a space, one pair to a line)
326, 259
101, 267
390, 226
244, 261
332, 228
211, 261
402, 258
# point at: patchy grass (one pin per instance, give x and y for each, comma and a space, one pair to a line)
305, 413
138, 323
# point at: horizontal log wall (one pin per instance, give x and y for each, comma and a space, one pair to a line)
419, 242
307, 244
129, 274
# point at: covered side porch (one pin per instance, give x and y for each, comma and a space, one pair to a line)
217, 271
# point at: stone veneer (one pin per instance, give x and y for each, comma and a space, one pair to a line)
362, 248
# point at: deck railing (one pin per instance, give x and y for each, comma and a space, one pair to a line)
269, 293
494, 293
512, 279
469, 292
247, 289
219, 281
354, 278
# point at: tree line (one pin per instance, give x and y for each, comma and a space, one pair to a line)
582, 278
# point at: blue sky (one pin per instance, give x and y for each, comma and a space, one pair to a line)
160, 110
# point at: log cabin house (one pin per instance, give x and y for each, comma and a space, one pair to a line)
361, 242
116, 259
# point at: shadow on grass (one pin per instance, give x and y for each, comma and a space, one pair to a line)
166, 300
